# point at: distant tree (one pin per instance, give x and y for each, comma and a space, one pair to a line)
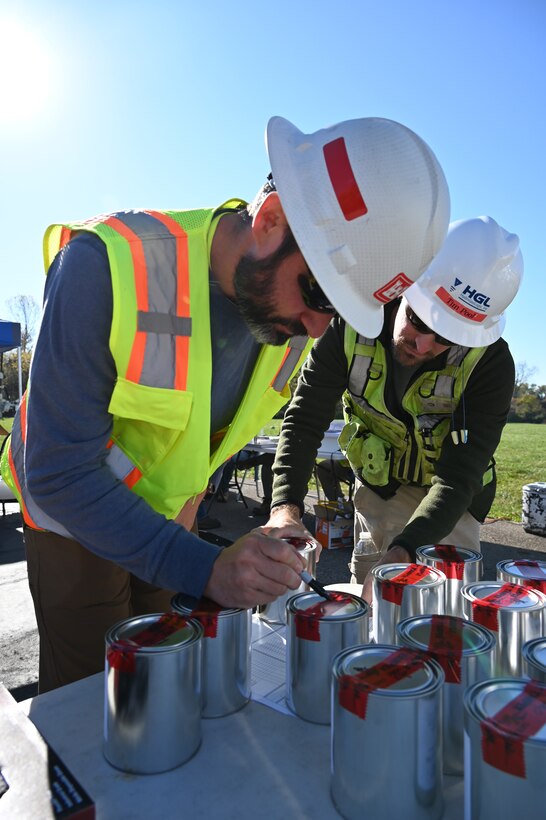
11, 373
523, 377
25, 310
527, 407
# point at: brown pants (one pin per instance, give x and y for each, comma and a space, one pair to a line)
77, 598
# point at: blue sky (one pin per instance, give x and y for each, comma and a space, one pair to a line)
126, 104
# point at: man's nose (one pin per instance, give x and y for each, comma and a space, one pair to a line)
314, 322
424, 342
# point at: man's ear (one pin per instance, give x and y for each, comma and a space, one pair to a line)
269, 224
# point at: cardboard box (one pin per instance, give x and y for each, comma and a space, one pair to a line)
334, 525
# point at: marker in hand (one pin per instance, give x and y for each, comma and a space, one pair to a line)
315, 585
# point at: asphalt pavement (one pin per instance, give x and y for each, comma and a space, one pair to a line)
18, 634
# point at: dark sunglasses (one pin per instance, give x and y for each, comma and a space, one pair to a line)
313, 296
421, 327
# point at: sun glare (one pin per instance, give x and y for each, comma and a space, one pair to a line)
25, 73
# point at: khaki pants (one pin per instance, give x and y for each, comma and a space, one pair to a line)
77, 598
385, 519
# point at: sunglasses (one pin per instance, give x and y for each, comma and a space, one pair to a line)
421, 327
313, 296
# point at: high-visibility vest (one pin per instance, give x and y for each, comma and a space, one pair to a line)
160, 340
381, 447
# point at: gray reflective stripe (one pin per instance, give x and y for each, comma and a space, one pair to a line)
43, 520
360, 366
295, 347
164, 323
160, 254
120, 464
444, 383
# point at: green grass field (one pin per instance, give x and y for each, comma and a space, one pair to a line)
521, 459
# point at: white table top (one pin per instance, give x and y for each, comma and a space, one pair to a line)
329, 447
256, 763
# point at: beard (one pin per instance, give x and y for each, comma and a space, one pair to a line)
255, 284
406, 353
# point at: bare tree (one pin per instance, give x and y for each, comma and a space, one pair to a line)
523, 376
25, 310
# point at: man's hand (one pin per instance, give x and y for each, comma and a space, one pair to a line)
396, 555
285, 521
256, 569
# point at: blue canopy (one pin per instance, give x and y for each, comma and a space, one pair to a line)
10, 335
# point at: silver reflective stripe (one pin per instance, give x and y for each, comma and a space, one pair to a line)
295, 347
360, 366
164, 323
41, 519
160, 255
120, 464
444, 383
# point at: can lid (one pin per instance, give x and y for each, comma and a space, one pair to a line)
377, 665
526, 569
403, 573
512, 707
448, 553
504, 596
193, 607
158, 632
303, 545
420, 632
346, 607
534, 652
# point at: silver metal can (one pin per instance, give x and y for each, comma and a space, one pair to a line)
275, 611
152, 719
505, 749
386, 755
460, 565
403, 590
512, 612
317, 630
527, 573
534, 659
464, 651
225, 654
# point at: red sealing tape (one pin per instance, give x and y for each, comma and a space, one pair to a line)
393, 589
307, 621
121, 654
504, 734
533, 574
452, 561
485, 610
206, 612
354, 689
446, 645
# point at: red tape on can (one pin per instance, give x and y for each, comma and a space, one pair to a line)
485, 610
393, 589
452, 561
504, 734
354, 689
206, 612
121, 654
307, 621
446, 645
533, 574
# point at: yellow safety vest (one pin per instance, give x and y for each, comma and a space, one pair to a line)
379, 446
160, 339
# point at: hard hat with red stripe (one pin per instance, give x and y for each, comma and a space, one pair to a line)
368, 204
470, 283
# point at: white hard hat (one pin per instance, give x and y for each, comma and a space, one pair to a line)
472, 280
368, 204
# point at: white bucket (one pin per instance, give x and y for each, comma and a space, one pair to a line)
533, 508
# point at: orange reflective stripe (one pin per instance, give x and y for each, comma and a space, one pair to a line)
23, 417
131, 478
136, 360
182, 343
66, 233
28, 520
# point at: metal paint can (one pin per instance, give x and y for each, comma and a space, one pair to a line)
525, 572
505, 749
317, 630
275, 611
460, 565
464, 650
386, 752
513, 613
534, 659
401, 591
225, 654
152, 720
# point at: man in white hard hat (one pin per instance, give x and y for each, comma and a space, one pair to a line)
424, 403
168, 340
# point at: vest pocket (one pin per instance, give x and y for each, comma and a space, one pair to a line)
369, 455
156, 405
